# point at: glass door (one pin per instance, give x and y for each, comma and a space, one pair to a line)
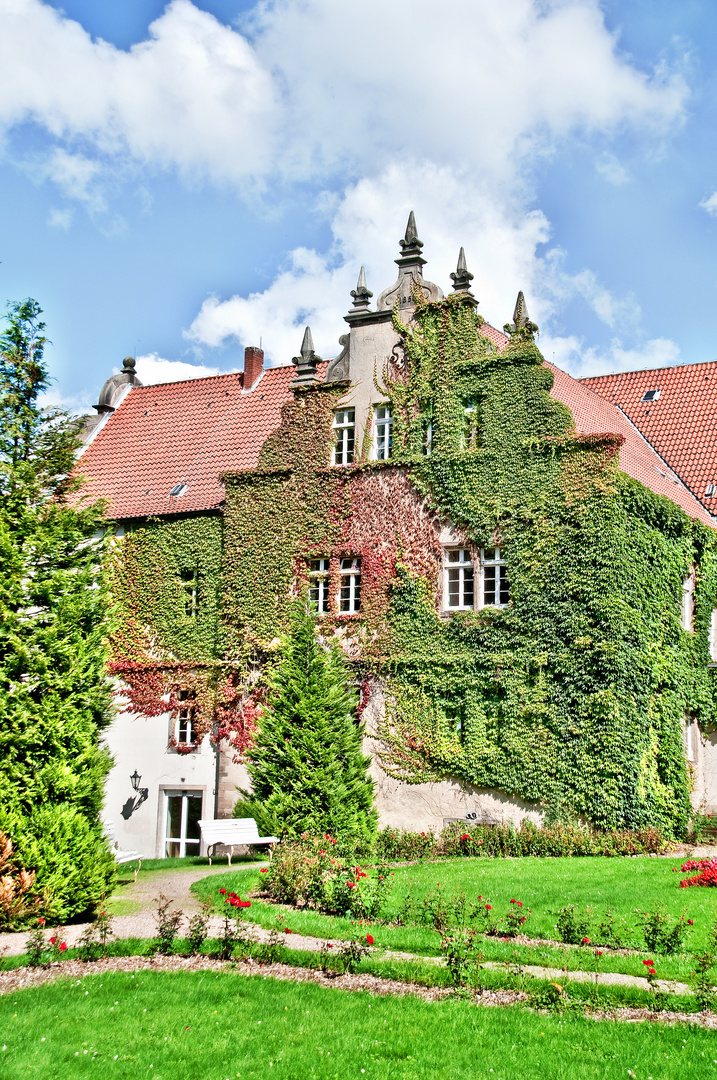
184, 809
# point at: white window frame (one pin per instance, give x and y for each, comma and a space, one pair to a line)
458, 571
427, 439
318, 575
461, 566
687, 607
470, 432
190, 590
689, 740
713, 635
500, 578
185, 719
344, 428
349, 585
182, 839
383, 432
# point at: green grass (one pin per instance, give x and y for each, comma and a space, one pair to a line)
208, 1026
629, 886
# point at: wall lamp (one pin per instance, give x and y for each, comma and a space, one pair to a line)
143, 792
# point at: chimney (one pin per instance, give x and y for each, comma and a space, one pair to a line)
253, 365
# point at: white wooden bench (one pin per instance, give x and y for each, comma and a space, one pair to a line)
119, 855
233, 832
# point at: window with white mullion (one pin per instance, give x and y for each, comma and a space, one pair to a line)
383, 423
319, 584
344, 428
459, 577
350, 589
494, 590
184, 726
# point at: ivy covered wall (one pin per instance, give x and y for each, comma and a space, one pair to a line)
577, 691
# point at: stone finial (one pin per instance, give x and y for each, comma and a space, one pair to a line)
129, 364
306, 362
411, 245
361, 293
462, 277
115, 387
521, 323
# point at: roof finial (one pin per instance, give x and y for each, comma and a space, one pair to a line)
521, 324
129, 363
306, 362
462, 277
361, 293
411, 245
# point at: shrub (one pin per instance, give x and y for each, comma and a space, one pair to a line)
17, 904
95, 939
660, 933
168, 924
199, 927
572, 926
555, 840
399, 844
461, 948
307, 766
702, 872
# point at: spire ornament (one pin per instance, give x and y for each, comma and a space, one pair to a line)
462, 277
361, 293
410, 274
521, 325
306, 362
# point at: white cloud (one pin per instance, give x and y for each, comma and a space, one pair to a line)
571, 354
612, 170
710, 204
59, 219
152, 368
76, 176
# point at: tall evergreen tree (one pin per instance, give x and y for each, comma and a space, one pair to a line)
54, 695
308, 770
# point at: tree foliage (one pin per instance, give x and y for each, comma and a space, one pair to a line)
308, 770
54, 694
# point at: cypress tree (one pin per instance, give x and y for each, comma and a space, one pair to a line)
54, 695
308, 770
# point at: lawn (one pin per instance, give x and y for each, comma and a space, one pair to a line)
204, 1026
629, 886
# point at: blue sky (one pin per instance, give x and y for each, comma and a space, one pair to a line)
182, 179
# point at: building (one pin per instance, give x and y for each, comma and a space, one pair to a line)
524, 582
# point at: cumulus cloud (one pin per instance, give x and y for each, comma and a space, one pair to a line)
59, 219
571, 354
152, 368
710, 204
612, 170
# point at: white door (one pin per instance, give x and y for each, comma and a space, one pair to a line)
184, 810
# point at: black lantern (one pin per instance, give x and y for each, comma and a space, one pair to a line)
135, 778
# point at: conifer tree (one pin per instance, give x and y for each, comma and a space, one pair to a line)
308, 770
54, 695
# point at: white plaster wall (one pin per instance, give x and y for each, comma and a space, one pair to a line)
139, 743
705, 793
370, 347
425, 807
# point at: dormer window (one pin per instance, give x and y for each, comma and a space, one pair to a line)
177, 491
344, 428
383, 423
651, 395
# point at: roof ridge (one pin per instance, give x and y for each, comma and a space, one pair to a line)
207, 378
644, 371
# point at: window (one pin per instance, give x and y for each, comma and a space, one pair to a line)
184, 724
687, 613
471, 413
651, 395
709, 491
319, 584
427, 444
345, 435
184, 811
688, 735
459, 580
494, 579
350, 593
713, 636
190, 582
383, 422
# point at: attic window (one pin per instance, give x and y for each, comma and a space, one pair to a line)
177, 491
651, 395
709, 491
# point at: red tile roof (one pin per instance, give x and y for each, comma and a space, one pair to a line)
191, 432
496, 336
181, 433
593, 414
681, 424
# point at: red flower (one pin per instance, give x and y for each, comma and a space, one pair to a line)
690, 922
586, 941
264, 870
489, 907
287, 930
222, 891
514, 901
649, 963
329, 945
465, 836
351, 884
369, 939
63, 947
53, 940
598, 952
322, 853
40, 922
